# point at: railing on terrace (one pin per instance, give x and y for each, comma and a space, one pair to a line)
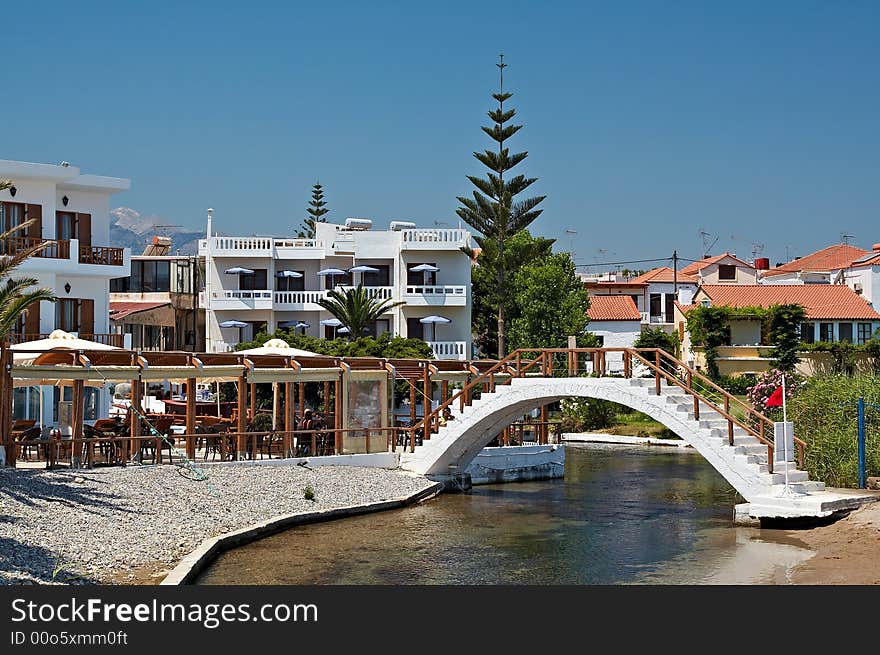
52, 249
443, 236
449, 349
298, 297
637, 362
103, 255
234, 294
242, 243
298, 243
441, 290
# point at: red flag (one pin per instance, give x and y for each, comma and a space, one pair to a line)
775, 399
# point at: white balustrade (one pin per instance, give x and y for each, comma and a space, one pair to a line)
442, 238
449, 349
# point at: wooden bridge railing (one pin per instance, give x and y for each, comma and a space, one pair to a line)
653, 362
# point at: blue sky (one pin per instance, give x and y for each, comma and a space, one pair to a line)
645, 121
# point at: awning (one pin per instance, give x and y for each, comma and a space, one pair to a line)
142, 313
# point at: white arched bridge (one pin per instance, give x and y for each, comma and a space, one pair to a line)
728, 433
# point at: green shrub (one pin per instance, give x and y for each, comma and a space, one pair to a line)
309, 492
824, 415
580, 414
738, 385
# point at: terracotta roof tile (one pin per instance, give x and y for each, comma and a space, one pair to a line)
831, 258
821, 301
613, 308
121, 309
663, 274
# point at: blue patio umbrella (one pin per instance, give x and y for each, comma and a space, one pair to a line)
238, 270
287, 275
343, 330
433, 320
297, 325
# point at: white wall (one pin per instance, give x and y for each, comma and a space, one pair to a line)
616, 334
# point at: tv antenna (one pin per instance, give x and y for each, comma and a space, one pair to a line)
704, 237
845, 237
757, 249
571, 235
165, 227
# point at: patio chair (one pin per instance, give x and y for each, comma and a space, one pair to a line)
162, 425
24, 440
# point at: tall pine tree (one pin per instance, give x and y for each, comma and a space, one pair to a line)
316, 210
492, 211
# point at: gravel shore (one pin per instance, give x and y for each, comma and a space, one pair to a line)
130, 524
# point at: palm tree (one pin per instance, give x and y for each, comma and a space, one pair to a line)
17, 294
356, 308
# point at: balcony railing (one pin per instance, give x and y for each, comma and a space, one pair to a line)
437, 290
443, 238
116, 340
235, 294
449, 349
103, 255
298, 297
54, 249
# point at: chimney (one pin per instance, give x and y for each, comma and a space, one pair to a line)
876, 247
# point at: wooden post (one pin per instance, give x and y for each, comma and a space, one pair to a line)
252, 408
367, 438
76, 453
276, 405
191, 418
8, 440
544, 435
240, 451
444, 391
287, 441
690, 383
337, 416
412, 402
427, 393
657, 372
326, 399
134, 412
729, 422
301, 390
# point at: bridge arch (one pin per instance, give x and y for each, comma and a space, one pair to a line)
463, 438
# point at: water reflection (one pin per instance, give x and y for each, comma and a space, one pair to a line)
620, 516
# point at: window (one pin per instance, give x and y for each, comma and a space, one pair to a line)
380, 327
65, 226
380, 279
808, 332
656, 304
11, 215
291, 283
67, 314
147, 276
726, 272
417, 279
826, 331
864, 332
600, 338
845, 332
636, 299
415, 329
255, 282
338, 280
120, 284
670, 307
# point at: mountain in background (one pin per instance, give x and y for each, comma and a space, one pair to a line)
132, 230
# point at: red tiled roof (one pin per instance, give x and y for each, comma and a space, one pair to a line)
600, 285
121, 309
831, 258
663, 274
613, 308
871, 259
821, 301
696, 267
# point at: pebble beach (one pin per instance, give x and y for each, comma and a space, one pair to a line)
132, 525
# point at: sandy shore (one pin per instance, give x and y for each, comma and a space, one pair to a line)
847, 551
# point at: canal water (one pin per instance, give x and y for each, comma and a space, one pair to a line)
621, 515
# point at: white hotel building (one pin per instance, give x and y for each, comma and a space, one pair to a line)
71, 211
269, 298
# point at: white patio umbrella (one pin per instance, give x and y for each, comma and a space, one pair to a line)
332, 322
288, 275
27, 352
434, 319
238, 270
277, 347
234, 324
332, 272
343, 330
363, 269
424, 269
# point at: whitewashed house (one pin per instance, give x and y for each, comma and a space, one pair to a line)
265, 282
71, 211
617, 323
863, 276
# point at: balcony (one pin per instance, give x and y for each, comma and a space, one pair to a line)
427, 239
234, 299
440, 296
298, 301
449, 349
263, 247
101, 255
51, 250
655, 319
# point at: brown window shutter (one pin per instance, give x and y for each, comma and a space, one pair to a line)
84, 229
35, 212
32, 319
86, 316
